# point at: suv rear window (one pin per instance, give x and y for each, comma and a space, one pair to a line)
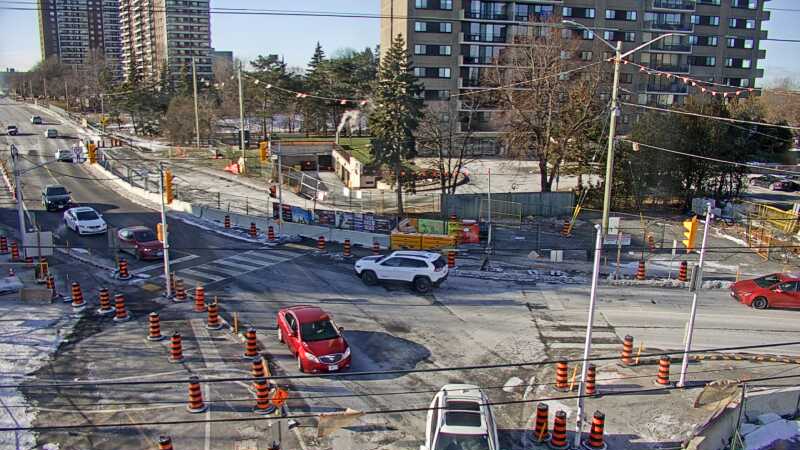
439, 263
462, 419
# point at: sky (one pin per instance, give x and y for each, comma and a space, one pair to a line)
295, 37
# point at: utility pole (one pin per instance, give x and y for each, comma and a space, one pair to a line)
66, 94
18, 191
587, 346
612, 131
164, 230
280, 190
196, 114
489, 212
44, 86
241, 118
697, 281
102, 114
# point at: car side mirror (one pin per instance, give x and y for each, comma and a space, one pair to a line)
341, 329
778, 290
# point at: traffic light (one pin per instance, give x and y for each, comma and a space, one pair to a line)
168, 194
690, 233
160, 231
263, 151
92, 152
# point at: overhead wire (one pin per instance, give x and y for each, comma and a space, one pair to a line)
707, 116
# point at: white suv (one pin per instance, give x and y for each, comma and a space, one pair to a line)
422, 269
460, 418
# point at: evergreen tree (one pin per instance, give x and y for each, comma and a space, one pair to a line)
317, 82
397, 109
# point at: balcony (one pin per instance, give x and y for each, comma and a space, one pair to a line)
672, 88
658, 25
674, 68
668, 47
674, 5
484, 37
486, 60
485, 15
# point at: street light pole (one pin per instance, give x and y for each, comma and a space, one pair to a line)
698, 283
612, 131
587, 346
18, 193
164, 230
196, 114
241, 118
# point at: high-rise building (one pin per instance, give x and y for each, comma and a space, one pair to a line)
164, 36
453, 41
73, 29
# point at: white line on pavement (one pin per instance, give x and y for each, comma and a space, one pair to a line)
161, 265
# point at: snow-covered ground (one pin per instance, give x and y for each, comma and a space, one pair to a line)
29, 335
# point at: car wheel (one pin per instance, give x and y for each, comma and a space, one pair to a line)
369, 278
300, 364
760, 303
280, 335
422, 284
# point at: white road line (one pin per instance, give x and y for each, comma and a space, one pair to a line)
215, 268
560, 345
161, 265
561, 334
243, 267
247, 260
199, 273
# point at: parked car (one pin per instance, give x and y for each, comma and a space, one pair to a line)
140, 242
51, 133
12, 130
313, 338
55, 197
36, 120
422, 269
764, 181
460, 418
65, 155
777, 290
85, 220
784, 185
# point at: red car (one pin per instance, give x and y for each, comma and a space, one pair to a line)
777, 290
313, 338
140, 242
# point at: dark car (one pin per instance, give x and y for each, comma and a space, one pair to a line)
36, 120
784, 185
55, 197
140, 242
12, 130
777, 290
764, 181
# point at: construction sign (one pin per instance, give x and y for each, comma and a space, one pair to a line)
279, 397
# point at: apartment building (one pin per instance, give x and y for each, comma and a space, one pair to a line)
164, 36
76, 30
452, 41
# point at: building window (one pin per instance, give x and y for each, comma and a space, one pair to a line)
738, 63
586, 56
744, 4
705, 20
420, 49
704, 41
445, 50
621, 14
705, 61
421, 4
748, 24
709, 2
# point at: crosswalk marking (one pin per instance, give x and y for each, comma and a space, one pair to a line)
233, 266
161, 264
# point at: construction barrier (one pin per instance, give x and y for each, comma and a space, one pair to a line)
165, 443
591, 376
14, 251
120, 313
180, 290
42, 270
257, 369
51, 284
566, 230
562, 376
175, 348
29, 261
683, 271
558, 438
651, 243
154, 329
122, 270
321, 243
663, 371
251, 344
105, 302
263, 405
540, 432
199, 299
3, 245
77, 294
253, 230
196, 404
227, 221
451, 259
213, 317
627, 351
271, 234
376, 249
640, 272
346, 249
595, 441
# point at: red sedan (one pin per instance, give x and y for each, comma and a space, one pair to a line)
140, 242
313, 338
777, 290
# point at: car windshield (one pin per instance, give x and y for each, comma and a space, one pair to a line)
144, 236
58, 190
767, 281
447, 441
318, 331
86, 215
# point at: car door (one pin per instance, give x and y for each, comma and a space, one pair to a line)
125, 240
781, 295
292, 336
70, 219
390, 269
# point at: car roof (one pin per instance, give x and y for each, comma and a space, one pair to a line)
428, 256
464, 393
83, 209
136, 228
53, 186
308, 313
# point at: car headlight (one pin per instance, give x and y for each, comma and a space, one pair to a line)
311, 357
346, 353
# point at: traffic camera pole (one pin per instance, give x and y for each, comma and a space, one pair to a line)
164, 231
697, 283
612, 131
587, 346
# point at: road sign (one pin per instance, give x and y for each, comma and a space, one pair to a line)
38, 244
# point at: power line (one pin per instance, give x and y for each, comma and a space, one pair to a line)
388, 411
79, 384
706, 116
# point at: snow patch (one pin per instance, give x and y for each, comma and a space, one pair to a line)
765, 436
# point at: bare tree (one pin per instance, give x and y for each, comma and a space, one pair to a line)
445, 133
548, 103
178, 123
780, 101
